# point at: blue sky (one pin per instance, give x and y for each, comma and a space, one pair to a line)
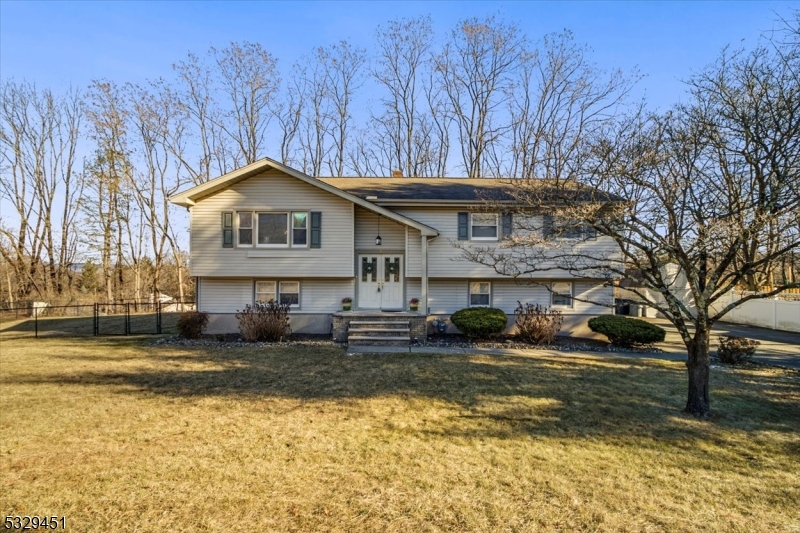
59, 43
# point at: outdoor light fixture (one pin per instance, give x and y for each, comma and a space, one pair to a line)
378, 238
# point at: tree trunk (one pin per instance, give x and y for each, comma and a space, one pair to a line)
698, 403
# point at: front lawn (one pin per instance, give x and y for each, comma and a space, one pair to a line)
120, 436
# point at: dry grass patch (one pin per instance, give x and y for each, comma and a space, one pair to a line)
121, 436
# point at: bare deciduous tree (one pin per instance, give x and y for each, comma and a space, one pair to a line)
712, 187
475, 70
558, 103
39, 135
403, 126
249, 79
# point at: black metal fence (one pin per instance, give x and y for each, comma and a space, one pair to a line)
98, 319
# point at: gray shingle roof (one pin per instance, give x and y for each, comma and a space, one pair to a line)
432, 189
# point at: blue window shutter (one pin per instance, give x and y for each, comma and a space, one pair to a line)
316, 229
227, 229
507, 225
463, 226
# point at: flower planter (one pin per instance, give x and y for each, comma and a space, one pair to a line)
346, 307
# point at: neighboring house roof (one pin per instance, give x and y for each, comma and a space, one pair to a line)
399, 191
189, 197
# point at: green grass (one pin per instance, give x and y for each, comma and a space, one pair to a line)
117, 435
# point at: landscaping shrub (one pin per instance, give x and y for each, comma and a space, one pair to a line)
537, 324
264, 322
192, 323
624, 331
736, 350
479, 322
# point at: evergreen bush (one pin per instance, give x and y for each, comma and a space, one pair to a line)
480, 322
624, 331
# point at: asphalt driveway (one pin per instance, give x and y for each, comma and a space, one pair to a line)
777, 347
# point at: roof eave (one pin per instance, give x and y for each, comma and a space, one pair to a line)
189, 197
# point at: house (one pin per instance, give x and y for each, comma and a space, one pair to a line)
267, 231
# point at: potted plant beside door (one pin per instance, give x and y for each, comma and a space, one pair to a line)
413, 304
347, 302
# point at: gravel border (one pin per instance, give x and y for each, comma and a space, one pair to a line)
566, 344
235, 341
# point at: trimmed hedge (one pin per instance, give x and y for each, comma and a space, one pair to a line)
479, 322
624, 331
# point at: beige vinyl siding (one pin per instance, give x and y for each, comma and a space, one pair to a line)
413, 290
414, 253
506, 293
224, 295
597, 294
444, 256
447, 296
230, 295
272, 191
324, 295
393, 235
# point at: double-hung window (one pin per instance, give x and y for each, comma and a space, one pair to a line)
299, 229
289, 293
273, 229
283, 292
245, 229
483, 226
561, 293
480, 294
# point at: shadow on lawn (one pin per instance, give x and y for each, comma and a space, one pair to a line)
491, 395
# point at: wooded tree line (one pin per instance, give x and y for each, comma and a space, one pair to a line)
87, 172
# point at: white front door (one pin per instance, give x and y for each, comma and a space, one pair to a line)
380, 281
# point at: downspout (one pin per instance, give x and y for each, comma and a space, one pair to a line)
424, 276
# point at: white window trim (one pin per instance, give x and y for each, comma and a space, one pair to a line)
252, 229
289, 228
292, 306
470, 293
571, 295
307, 228
496, 226
277, 284
255, 288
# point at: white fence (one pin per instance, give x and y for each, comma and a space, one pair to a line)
767, 313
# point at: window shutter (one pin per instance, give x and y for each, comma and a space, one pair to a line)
507, 225
227, 229
591, 233
548, 231
463, 226
316, 229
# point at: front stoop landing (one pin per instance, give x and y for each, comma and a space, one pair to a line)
361, 328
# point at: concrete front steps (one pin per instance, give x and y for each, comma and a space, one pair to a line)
384, 331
